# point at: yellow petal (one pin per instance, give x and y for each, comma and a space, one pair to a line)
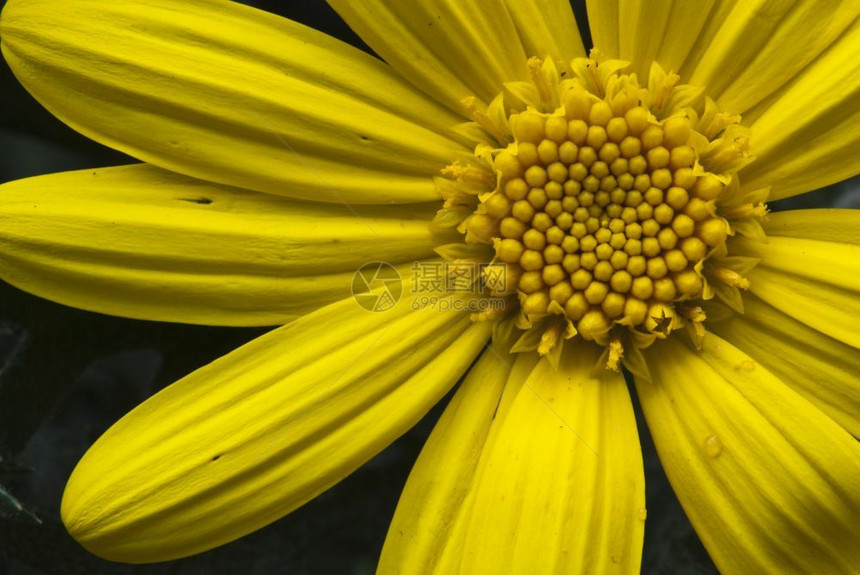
812, 281
641, 28
768, 480
448, 48
665, 31
140, 242
560, 486
687, 22
603, 23
714, 21
641, 32
230, 94
825, 262
762, 44
805, 137
818, 367
828, 225
259, 432
547, 28
440, 481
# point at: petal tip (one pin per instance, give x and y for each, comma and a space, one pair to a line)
90, 522
78, 513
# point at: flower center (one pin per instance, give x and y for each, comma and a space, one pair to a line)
602, 214
612, 203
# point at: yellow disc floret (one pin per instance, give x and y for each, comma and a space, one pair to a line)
607, 204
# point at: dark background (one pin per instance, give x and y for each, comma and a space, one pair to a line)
66, 375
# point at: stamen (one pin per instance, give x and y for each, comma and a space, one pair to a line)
537, 77
729, 277
549, 339
478, 113
468, 173
758, 211
616, 353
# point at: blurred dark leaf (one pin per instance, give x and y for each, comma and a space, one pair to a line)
12, 510
12, 339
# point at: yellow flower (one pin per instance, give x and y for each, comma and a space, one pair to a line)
623, 189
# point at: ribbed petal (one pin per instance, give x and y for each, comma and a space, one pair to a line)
806, 136
818, 367
254, 435
230, 94
560, 487
827, 225
449, 48
686, 23
141, 242
714, 20
603, 23
554, 484
822, 369
547, 28
441, 480
763, 44
812, 281
640, 32
641, 27
768, 481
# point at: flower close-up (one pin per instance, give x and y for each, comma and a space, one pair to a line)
555, 228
